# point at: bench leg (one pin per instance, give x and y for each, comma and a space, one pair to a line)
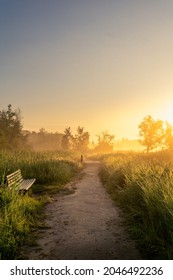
22, 192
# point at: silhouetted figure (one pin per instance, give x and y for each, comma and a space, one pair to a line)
81, 158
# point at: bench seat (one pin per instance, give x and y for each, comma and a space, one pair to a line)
26, 184
15, 180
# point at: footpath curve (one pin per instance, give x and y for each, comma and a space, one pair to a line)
85, 225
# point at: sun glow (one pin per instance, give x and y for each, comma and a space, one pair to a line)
164, 111
168, 116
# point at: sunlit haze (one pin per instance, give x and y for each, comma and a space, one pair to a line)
103, 65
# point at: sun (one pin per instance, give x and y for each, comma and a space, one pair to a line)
168, 115
164, 112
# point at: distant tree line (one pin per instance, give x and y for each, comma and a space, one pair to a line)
79, 141
105, 143
12, 136
154, 135
43, 140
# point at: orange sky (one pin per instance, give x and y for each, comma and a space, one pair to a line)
103, 65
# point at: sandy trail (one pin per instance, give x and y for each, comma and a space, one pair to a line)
85, 225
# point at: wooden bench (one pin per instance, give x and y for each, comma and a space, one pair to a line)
15, 180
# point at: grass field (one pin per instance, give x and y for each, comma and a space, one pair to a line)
142, 185
20, 214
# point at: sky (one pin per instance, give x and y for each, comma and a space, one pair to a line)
100, 64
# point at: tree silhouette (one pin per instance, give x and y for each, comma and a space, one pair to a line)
82, 139
79, 142
151, 132
105, 142
10, 128
68, 139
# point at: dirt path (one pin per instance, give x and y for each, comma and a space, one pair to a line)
84, 225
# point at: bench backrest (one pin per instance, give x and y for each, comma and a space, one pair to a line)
14, 179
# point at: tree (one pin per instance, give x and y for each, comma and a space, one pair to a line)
10, 128
152, 133
44, 140
81, 139
68, 139
105, 142
3, 140
168, 141
79, 142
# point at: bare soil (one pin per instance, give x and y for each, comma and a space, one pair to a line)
84, 225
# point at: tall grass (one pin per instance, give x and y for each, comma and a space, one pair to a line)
143, 187
19, 214
46, 167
